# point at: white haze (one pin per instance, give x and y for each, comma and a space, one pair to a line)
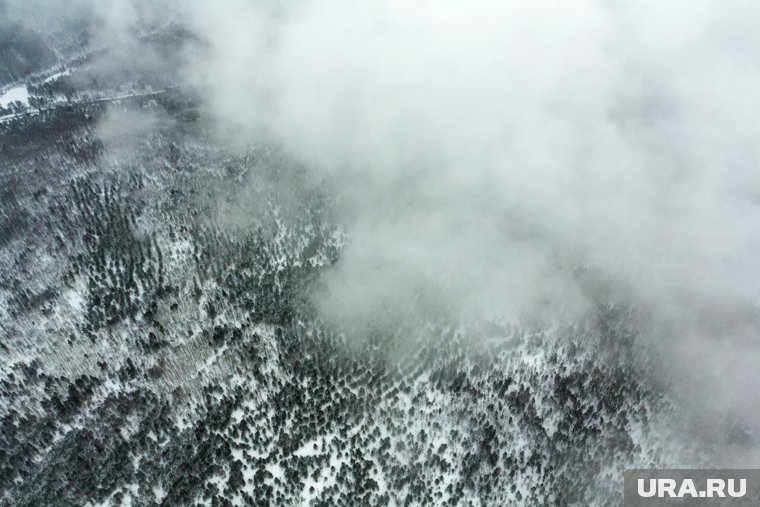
495, 143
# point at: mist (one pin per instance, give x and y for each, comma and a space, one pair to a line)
505, 146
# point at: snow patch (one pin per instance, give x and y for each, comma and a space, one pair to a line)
159, 494
57, 75
19, 93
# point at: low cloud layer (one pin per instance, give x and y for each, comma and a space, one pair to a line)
494, 148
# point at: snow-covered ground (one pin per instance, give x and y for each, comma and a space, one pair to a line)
57, 75
11, 95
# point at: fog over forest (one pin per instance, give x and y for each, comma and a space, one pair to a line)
375, 252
